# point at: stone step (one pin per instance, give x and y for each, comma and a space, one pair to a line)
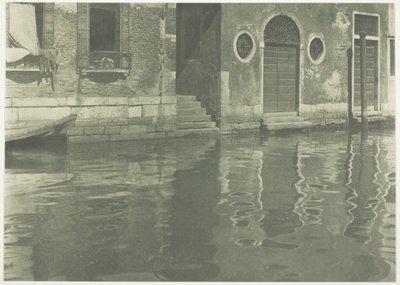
281, 114
371, 118
185, 98
282, 119
195, 125
188, 105
197, 132
191, 111
287, 126
194, 118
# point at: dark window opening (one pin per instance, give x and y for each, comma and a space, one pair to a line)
39, 14
244, 45
316, 49
104, 28
392, 57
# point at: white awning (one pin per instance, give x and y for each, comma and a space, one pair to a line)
22, 29
15, 54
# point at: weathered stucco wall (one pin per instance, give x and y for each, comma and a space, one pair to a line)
323, 87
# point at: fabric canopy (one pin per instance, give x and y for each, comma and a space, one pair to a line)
23, 33
15, 54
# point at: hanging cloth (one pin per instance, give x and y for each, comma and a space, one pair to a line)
15, 54
23, 33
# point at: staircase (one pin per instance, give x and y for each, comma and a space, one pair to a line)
192, 119
284, 121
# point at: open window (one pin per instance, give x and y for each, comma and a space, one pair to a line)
103, 37
104, 27
29, 39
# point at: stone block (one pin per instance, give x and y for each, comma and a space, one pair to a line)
150, 110
126, 137
135, 112
168, 99
144, 100
75, 131
159, 135
14, 125
83, 112
42, 113
39, 102
88, 138
166, 127
112, 121
258, 110
111, 111
169, 110
86, 122
97, 101
150, 128
112, 130
141, 121
133, 129
94, 130
7, 102
167, 119
11, 114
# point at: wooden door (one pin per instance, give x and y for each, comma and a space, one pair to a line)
371, 58
280, 78
281, 65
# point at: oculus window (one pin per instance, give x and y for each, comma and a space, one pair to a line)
316, 50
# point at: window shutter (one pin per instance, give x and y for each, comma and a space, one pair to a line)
83, 34
124, 24
48, 26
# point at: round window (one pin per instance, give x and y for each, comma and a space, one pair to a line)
244, 46
316, 50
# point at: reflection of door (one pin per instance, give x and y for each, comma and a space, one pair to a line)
371, 58
281, 65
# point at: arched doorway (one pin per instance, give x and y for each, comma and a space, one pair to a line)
281, 65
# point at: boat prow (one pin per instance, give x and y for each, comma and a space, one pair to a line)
41, 130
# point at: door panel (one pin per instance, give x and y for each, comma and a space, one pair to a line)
280, 78
371, 74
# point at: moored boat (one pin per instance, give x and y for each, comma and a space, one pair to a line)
41, 130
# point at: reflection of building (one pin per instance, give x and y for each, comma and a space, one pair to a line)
120, 66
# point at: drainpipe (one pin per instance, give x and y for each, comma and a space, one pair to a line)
162, 49
364, 116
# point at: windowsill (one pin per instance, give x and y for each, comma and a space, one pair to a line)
104, 70
24, 69
122, 73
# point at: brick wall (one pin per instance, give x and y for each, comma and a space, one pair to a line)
141, 106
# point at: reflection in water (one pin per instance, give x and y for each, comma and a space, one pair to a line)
318, 207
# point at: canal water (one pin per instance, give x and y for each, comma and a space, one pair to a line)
292, 207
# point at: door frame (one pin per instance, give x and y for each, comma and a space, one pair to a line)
378, 63
300, 57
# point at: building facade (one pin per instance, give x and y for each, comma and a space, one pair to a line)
138, 71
